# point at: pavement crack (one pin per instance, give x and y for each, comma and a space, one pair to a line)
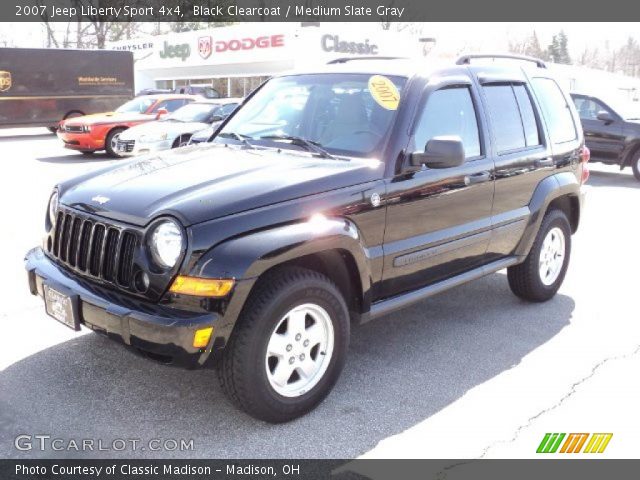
563, 399
442, 474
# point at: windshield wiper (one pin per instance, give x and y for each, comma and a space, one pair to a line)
309, 145
241, 138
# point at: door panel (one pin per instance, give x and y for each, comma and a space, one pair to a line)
605, 142
438, 224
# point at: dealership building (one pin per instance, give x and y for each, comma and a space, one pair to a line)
236, 59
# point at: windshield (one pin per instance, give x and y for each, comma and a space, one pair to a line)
137, 105
339, 112
194, 112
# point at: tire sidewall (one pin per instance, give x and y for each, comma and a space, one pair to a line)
635, 166
323, 294
559, 220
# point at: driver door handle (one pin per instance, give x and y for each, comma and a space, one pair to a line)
480, 177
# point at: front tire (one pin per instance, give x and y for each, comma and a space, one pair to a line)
289, 346
635, 165
112, 140
539, 277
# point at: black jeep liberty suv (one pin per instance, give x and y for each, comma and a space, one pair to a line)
329, 197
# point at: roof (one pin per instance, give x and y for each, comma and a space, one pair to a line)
168, 96
505, 65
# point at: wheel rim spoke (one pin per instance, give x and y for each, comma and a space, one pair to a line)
551, 258
297, 357
282, 373
278, 345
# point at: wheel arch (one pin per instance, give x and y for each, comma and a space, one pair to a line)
630, 154
561, 191
332, 247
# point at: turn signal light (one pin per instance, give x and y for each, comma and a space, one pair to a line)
201, 287
201, 337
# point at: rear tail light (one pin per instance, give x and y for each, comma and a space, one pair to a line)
585, 155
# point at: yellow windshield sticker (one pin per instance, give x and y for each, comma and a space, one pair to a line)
384, 92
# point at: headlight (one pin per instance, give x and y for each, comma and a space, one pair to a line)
53, 207
166, 243
153, 138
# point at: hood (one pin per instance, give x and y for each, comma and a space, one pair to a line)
201, 183
108, 117
161, 127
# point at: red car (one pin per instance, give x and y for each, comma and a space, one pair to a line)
100, 131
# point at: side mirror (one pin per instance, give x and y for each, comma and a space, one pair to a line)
161, 112
440, 152
216, 118
605, 117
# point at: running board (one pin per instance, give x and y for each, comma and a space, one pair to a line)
383, 307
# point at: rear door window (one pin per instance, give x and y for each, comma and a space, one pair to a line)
556, 110
505, 116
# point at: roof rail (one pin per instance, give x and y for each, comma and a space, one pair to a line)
371, 57
466, 59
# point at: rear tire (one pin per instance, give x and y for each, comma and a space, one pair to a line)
181, 141
635, 165
111, 141
539, 277
295, 321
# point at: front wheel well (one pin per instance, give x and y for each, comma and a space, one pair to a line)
633, 151
340, 267
570, 206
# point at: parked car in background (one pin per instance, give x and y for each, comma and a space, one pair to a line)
611, 130
101, 131
204, 90
153, 91
174, 130
221, 115
328, 199
39, 87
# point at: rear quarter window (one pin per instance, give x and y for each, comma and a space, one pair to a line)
556, 110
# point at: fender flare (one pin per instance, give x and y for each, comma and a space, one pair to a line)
245, 258
551, 188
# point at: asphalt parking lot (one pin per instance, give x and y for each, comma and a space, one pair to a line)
472, 372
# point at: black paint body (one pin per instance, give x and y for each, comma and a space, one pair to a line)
247, 211
616, 141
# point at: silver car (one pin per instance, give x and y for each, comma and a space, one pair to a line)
174, 130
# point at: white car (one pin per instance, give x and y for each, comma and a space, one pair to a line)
176, 129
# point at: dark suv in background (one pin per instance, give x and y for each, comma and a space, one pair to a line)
328, 198
611, 132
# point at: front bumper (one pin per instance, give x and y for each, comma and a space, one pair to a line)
159, 331
81, 141
140, 148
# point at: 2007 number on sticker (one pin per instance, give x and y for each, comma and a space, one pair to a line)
384, 92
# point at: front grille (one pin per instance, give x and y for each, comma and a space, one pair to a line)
125, 145
74, 128
94, 248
